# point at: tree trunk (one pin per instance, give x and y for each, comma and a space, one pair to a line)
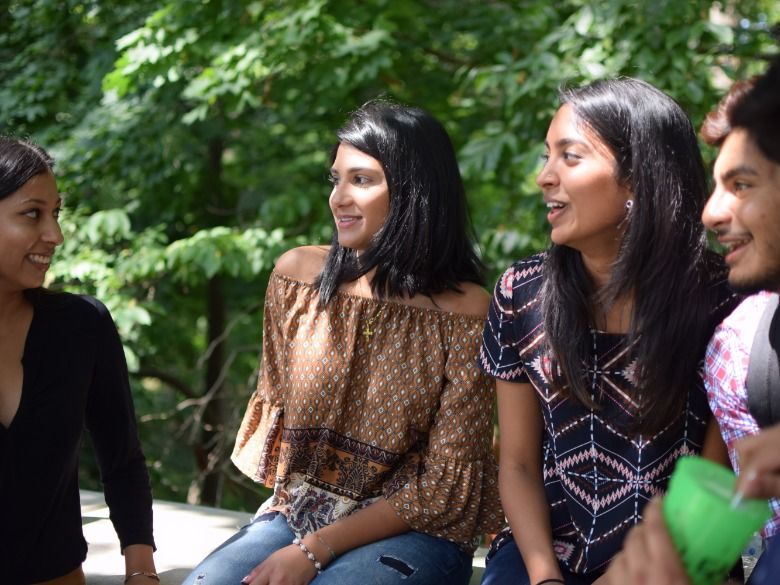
212, 433
207, 488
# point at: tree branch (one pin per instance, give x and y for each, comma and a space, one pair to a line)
166, 378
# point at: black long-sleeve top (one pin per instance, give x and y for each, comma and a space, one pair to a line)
75, 377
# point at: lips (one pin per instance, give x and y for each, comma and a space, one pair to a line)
555, 208
733, 247
42, 260
345, 221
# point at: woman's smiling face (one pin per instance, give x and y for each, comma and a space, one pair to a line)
29, 233
586, 203
360, 198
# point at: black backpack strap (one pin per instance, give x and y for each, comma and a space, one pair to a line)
763, 377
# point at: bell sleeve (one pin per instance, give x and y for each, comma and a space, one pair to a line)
450, 489
256, 452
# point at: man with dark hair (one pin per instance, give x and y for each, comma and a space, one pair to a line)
744, 212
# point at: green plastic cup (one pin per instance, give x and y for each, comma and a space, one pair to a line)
708, 531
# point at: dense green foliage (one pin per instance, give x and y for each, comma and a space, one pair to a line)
193, 141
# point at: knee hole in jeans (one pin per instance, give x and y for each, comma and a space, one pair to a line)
397, 564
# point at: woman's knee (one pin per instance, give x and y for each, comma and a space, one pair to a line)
410, 558
242, 552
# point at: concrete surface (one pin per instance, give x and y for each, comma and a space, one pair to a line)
184, 535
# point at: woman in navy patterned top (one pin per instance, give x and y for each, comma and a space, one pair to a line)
596, 344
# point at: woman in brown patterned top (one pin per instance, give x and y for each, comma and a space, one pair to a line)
372, 421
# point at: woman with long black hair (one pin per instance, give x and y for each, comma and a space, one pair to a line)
596, 344
372, 421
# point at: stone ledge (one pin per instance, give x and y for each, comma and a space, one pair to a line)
184, 535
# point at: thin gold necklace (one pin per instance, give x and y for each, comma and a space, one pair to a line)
367, 331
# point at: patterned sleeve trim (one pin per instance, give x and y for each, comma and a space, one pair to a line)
256, 452
512, 324
449, 487
449, 499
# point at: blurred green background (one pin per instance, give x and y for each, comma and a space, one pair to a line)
192, 139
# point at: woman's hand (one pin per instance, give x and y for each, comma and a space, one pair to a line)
648, 556
287, 566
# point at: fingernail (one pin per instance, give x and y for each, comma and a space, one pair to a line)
736, 499
245, 580
739, 494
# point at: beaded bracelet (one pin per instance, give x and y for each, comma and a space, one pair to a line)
310, 555
331, 552
149, 574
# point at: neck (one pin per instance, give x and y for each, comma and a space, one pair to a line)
599, 268
10, 304
362, 286
616, 318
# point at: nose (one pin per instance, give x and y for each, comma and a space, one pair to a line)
52, 233
339, 196
547, 177
717, 211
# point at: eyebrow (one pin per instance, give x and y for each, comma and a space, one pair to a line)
355, 170
738, 170
39, 201
564, 142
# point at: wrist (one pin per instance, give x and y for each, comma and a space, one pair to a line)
309, 554
321, 548
141, 577
551, 581
542, 565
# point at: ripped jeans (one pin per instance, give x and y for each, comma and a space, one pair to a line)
411, 558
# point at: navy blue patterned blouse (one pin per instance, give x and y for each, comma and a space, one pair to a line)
597, 478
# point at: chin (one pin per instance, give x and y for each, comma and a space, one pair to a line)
352, 244
557, 239
26, 283
751, 284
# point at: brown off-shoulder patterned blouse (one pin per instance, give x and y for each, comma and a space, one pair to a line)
340, 418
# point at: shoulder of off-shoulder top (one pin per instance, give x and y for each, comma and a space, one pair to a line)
304, 263
472, 300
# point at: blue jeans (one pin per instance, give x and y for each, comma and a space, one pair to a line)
506, 567
768, 566
411, 558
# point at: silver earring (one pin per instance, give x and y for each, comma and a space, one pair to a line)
629, 205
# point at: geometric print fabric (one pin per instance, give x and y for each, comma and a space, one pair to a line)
597, 477
341, 418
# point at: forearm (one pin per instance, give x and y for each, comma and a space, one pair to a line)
526, 508
370, 524
288, 565
714, 448
139, 559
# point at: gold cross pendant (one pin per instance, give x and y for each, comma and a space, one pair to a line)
367, 332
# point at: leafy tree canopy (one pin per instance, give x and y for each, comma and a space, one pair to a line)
193, 139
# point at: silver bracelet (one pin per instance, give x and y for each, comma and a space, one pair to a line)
150, 574
309, 555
